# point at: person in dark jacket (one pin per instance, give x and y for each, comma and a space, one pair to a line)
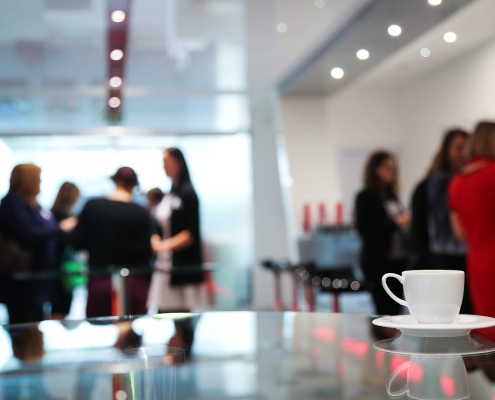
177, 283
23, 220
381, 220
115, 232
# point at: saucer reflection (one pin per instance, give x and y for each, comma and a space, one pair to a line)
430, 377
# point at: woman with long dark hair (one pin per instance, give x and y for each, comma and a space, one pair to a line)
177, 283
381, 219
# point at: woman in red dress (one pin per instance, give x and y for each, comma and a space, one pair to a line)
472, 200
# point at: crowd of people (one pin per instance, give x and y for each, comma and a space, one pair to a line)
114, 231
450, 225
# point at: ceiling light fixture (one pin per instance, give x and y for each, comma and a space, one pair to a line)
115, 81
114, 102
118, 16
394, 30
320, 3
450, 37
282, 28
337, 73
425, 52
435, 2
363, 54
116, 55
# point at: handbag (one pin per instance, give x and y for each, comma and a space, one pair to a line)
74, 271
14, 257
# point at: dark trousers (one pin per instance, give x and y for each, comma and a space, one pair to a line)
100, 296
373, 273
456, 263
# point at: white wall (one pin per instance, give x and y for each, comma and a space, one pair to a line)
311, 155
458, 94
328, 139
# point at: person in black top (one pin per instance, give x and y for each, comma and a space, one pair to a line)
179, 246
381, 219
115, 232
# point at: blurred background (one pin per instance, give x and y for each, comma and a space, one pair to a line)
275, 103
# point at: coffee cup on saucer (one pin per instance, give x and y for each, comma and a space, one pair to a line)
432, 296
431, 377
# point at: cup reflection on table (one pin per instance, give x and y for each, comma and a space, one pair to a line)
430, 377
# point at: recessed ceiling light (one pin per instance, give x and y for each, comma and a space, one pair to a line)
337, 73
394, 30
116, 54
450, 37
435, 2
118, 16
363, 54
115, 81
114, 102
282, 28
320, 3
425, 52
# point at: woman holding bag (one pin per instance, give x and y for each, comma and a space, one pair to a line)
36, 230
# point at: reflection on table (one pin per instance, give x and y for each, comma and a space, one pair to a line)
228, 355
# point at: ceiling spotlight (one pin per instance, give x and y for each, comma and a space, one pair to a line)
282, 28
394, 30
363, 54
116, 55
435, 2
320, 3
114, 102
425, 52
118, 16
450, 37
115, 81
337, 73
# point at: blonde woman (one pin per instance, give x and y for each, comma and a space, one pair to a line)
23, 220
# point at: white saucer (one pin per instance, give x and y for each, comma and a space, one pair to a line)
462, 325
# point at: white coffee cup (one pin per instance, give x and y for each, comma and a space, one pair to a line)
431, 377
432, 296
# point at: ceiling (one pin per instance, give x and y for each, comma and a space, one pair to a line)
191, 64
366, 30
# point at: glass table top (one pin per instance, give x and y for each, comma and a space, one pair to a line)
240, 355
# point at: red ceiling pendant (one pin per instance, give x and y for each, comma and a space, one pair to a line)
118, 25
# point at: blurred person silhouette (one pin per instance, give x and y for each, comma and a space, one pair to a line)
472, 200
28, 348
446, 252
381, 220
37, 231
154, 197
179, 246
61, 298
115, 232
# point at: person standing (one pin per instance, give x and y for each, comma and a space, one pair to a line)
472, 201
115, 232
67, 196
381, 219
447, 252
23, 220
179, 246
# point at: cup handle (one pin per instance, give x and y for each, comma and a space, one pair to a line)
403, 391
389, 292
